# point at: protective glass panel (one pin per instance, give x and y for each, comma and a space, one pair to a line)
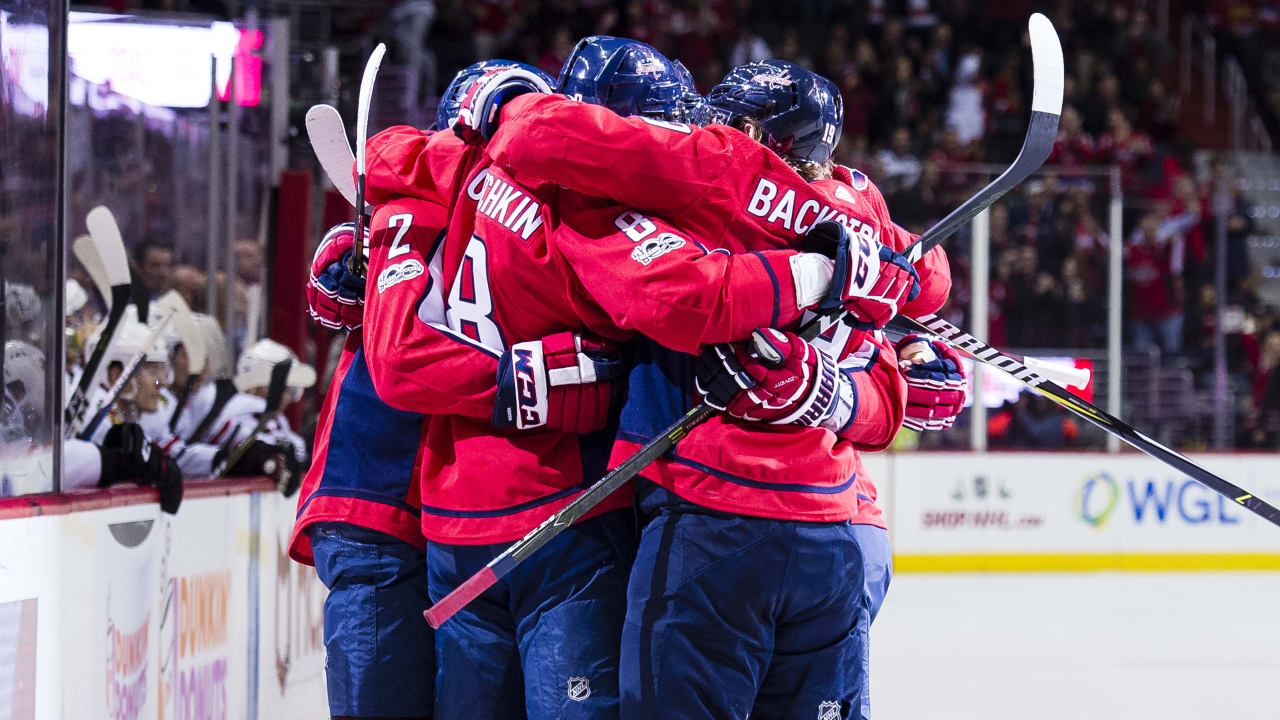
29, 264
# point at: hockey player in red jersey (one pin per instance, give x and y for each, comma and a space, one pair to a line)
502, 230
358, 512
708, 466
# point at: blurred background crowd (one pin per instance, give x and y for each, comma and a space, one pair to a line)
1156, 125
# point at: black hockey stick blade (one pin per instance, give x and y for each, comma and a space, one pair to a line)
1046, 108
1093, 414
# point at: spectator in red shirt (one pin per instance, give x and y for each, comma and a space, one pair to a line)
1074, 147
1153, 266
1126, 147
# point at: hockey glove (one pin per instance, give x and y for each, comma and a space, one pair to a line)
481, 106
335, 295
127, 455
870, 281
561, 382
274, 460
776, 378
936, 388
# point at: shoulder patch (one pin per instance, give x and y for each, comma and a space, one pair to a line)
398, 273
859, 179
653, 248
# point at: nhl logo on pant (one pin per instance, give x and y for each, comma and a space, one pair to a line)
579, 689
829, 710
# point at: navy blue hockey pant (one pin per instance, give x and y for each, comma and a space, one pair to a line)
730, 615
543, 641
380, 655
877, 564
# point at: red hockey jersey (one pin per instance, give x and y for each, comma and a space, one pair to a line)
512, 270
704, 179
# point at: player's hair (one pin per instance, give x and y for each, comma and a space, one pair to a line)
808, 170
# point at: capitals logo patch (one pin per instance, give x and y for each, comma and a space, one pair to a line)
579, 689
398, 273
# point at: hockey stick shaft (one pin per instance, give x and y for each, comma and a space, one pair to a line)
362, 137
275, 399
1094, 415
79, 401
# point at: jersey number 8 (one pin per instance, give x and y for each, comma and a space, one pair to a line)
470, 310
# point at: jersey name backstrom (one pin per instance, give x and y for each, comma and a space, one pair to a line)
766, 203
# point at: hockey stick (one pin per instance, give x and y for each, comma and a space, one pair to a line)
87, 253
275, 399
362, 135
1021, 372
193, 341
115, 264
1046, 107
329, 142
172, 305
1047, 55
1061, 374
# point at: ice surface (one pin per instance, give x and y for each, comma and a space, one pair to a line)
1088, 646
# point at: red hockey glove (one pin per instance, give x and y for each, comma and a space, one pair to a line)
776, 378
335, 295
481, 106
871, 281
936, 388
562, 382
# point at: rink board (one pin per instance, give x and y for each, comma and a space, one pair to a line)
110, 609
124, 612
1073, 511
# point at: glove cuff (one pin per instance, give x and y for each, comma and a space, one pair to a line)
522, 387
811, 273
846, 404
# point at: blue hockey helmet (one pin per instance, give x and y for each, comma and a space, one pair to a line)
627, 76
451, 100
800, 111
